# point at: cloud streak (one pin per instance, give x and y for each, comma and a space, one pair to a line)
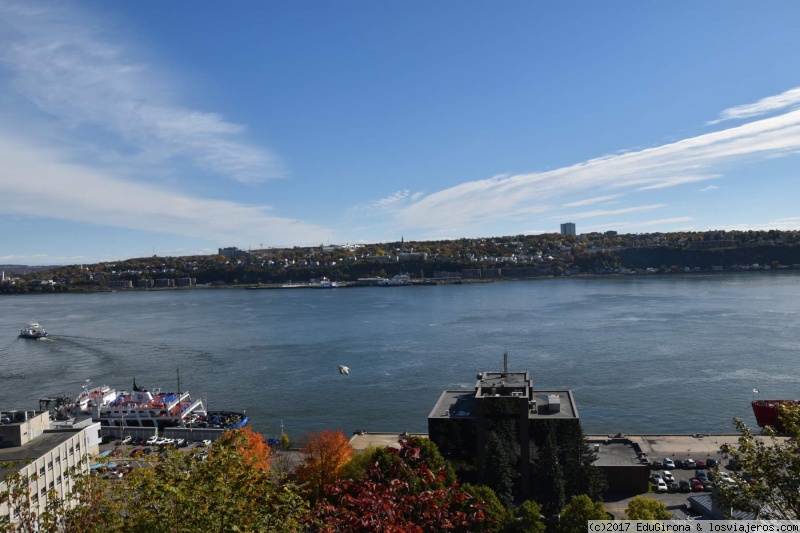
669, 165
36, 181
787, 99
59, 61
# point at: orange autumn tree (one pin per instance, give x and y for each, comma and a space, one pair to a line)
325, 455
255, 453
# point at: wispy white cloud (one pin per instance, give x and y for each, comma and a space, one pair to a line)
787, 99
389, 203
709, 188
643, 171
661, 222
675, 181
35, 181
591, 201
58, 59
607, 212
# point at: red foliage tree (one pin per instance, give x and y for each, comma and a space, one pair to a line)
403, 496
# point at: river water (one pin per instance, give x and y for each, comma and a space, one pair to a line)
671, 354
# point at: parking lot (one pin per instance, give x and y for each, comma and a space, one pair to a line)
119, 458
677, 448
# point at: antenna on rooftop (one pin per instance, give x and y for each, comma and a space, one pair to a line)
505, 363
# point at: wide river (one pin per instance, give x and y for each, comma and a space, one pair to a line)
672, 354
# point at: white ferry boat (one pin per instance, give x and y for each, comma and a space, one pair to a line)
142, 408
34, 330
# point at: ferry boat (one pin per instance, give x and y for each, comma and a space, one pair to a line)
767, 411
34, 330
143, 408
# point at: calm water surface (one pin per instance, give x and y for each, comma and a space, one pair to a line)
674, 354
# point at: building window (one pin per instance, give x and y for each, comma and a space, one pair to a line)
35, 499
78, 447
43, 491
41, 471
58, 480
52, 485
72, 451
50, 466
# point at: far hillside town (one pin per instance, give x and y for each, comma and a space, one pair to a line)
444, 261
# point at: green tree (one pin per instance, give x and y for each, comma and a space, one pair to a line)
577, 513
527, 518
501, 460
549, 478
768, 469
499, 518
647, 509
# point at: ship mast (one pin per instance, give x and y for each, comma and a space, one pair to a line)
178, 372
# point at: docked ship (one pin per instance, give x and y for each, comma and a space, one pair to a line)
34, 330
767, 412
143, 408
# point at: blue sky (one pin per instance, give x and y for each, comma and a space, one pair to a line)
176, 128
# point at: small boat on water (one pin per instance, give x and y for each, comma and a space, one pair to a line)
34, 330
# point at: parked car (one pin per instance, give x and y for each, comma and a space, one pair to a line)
733, 464
136, 452
685, 485
697, 485
669, 463
712, 463
656, 478
661, 486
206, 442
127, 439
668, 477
656, 465
116, 453
689, 463
701, 475
674, 486
152, 440
700, 464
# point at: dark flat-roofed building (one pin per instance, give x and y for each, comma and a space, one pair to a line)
460, 421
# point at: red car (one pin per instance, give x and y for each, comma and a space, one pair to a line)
700, 464
697, 485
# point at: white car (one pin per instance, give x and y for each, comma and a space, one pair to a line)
726, 477
688, 463
206, 442
669, 463
668, 477
152, 440
127, 439
661, 486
